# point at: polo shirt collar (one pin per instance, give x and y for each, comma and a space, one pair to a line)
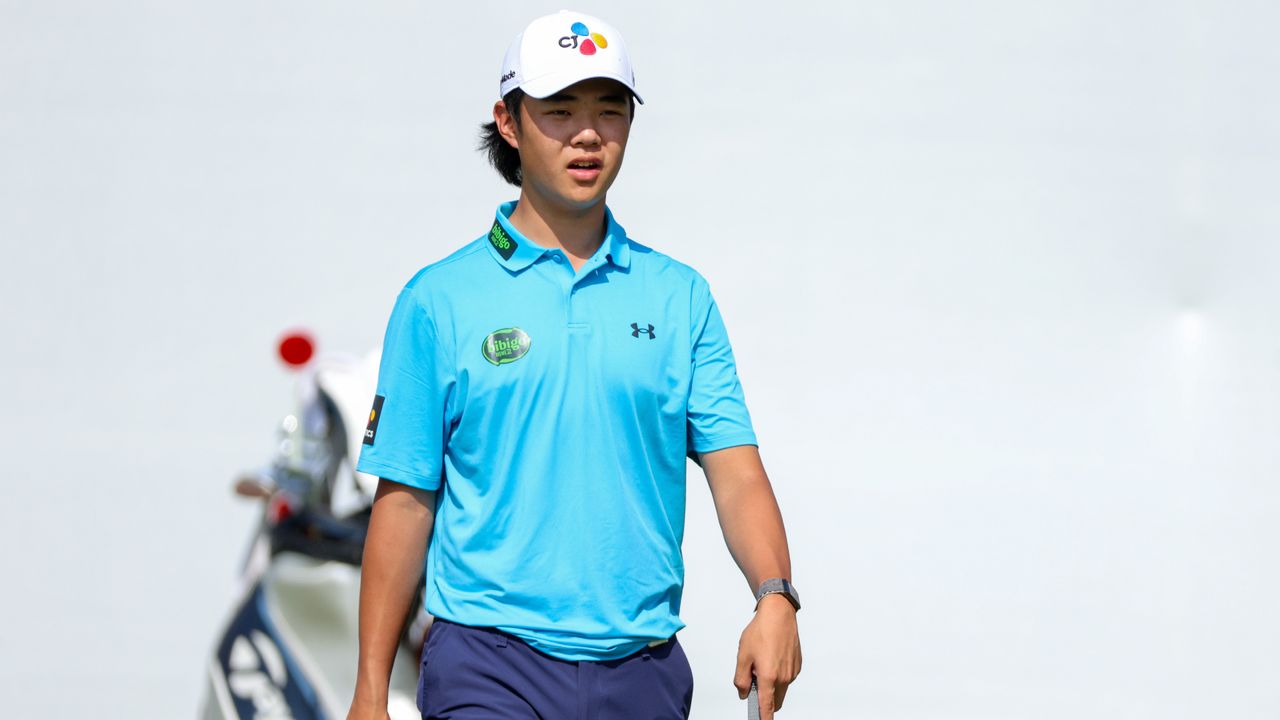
516, 252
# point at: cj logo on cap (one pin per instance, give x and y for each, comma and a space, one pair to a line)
590, 41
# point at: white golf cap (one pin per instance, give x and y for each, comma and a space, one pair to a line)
556, 51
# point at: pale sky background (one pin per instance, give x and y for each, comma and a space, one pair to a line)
1001, 279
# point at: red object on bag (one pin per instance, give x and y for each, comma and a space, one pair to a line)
296, 348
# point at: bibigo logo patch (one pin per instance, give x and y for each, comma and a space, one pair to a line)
505, 346
590, 41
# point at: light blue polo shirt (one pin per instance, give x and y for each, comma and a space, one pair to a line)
553, 411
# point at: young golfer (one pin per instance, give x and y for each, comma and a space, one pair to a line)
539, 392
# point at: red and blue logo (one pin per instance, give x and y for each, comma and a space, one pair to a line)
590, 41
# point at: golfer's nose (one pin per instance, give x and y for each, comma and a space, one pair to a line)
587, 137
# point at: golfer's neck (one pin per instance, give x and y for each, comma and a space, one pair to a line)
578, 232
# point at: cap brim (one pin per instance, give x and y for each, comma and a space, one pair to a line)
549, 85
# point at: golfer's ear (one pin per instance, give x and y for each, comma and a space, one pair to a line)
506, 123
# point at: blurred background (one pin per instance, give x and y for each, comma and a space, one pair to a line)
1001, 280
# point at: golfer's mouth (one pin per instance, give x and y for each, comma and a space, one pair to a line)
585, 168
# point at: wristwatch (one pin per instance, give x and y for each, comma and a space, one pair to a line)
783, 587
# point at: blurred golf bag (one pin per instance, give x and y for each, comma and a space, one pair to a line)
289, 646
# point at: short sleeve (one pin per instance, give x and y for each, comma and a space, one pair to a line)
717, 415
408, 424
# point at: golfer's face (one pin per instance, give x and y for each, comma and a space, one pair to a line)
571, 143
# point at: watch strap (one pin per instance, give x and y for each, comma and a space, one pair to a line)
781, 586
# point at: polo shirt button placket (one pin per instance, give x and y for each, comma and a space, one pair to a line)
569, 284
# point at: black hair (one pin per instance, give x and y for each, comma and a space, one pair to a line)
504, 158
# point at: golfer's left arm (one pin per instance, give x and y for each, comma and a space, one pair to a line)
752, 524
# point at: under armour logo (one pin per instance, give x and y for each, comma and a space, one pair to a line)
635, 330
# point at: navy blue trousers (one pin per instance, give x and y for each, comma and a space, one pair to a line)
481, 673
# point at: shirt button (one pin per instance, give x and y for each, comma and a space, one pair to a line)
557, 258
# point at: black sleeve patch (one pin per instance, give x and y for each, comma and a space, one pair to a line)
374, 415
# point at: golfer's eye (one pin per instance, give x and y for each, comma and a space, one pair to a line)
560, 112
